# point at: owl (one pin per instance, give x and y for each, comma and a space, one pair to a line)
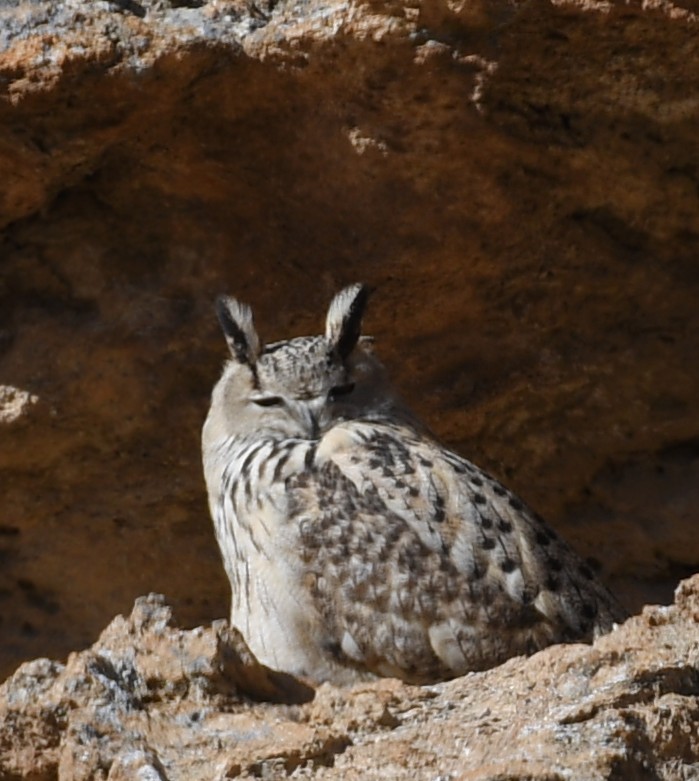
355, 543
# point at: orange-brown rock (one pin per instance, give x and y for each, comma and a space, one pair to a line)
151, 701
518, 180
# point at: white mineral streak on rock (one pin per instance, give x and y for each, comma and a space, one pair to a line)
14, 402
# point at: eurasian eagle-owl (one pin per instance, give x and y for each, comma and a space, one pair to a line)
355, 543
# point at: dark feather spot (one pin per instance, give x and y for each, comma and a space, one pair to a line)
515, 503
310, 457
508, 565
281, 463
529, 594
247, 486
542, 538
487, 543
498, 489
552, 584
334, 649
479, 498
486, 523
588, 610
252, 452
439, 512
478, 572
447, 567
477, 481
505, 526
555, 564
393, 534
426, 462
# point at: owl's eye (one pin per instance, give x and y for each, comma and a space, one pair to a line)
269, 401
340, 390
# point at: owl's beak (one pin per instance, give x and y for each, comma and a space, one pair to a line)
310, 418
315, 425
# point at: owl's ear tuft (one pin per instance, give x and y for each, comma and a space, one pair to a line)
343, 324
238, 328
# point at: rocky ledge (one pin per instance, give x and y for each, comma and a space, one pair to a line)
152, 701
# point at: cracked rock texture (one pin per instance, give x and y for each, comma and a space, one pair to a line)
518, 181
155, 702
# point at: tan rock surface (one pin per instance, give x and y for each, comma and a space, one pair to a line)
519, 181
152, 701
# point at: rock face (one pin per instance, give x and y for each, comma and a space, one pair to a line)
152, 701
518, 181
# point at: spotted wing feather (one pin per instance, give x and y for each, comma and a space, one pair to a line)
428, 566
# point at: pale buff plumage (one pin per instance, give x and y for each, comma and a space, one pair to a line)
355, 543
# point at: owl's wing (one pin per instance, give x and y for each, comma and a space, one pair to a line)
427, 566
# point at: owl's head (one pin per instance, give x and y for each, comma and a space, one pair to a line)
299, 387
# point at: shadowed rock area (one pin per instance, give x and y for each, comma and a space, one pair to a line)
518, 182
